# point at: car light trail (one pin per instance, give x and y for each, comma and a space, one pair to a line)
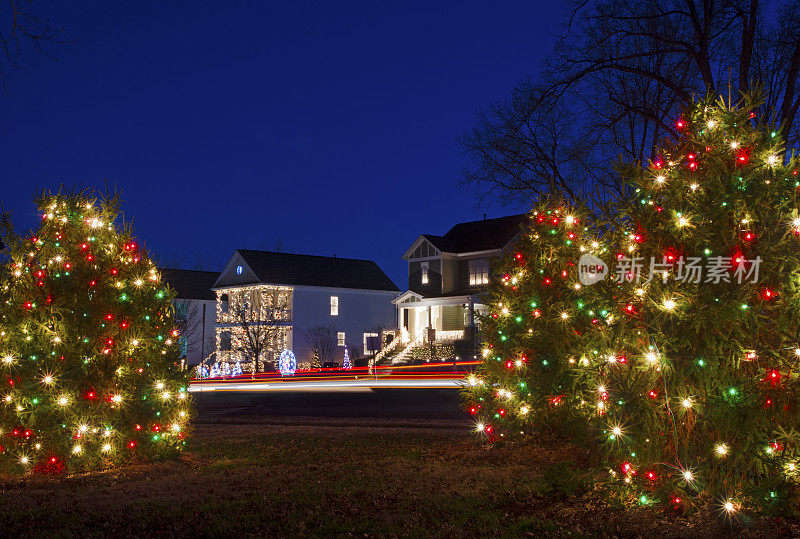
430, 383
427, 376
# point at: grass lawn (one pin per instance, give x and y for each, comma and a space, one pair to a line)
338, 478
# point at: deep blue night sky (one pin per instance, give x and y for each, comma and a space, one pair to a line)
329, 126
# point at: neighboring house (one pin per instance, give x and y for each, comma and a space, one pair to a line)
446, 275
195, 311
296, 292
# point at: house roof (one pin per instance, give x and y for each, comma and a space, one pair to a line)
483, 235
311, 270
190, 284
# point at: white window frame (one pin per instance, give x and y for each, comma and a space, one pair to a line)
367, 350
478, 271
341, 338
334, 305
424, 269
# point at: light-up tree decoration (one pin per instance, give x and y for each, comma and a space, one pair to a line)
346, 361
90, 356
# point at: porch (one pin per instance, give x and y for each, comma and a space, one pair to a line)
429, 319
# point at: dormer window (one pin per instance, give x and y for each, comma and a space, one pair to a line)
424, 267
478, 272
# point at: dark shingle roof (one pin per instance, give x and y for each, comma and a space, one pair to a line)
483, 235
190, 284
310, 270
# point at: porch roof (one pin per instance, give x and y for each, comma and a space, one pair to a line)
456, 297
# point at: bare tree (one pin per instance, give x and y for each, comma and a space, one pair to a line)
261, 317
21, 28
190, 325
323, 340
616, 81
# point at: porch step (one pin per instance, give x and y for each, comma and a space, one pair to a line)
405, 353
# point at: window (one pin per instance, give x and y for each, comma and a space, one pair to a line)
478, 272
371, 343
340, 338
424, 272
334, 305
224, 302
225, 341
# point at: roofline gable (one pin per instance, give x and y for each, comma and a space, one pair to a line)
236, 259
417, 243
405, 295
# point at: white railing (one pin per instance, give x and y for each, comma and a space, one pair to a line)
450, 335
386, 349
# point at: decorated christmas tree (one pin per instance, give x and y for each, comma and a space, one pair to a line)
537, 327
706, 408
89, 350
684, 362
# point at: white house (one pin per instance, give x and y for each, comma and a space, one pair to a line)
294, 292
195, 310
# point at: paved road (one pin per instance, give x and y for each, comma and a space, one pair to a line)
412, 404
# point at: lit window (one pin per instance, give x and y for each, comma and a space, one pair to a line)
478, 272
340, 338
424, 272
371, 344
334, 305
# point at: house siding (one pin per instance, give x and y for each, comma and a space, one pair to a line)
452, 317
434, 286
358, 312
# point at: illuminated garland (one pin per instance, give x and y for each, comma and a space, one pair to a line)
90, 364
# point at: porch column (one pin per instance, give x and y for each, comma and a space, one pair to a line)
430, 324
